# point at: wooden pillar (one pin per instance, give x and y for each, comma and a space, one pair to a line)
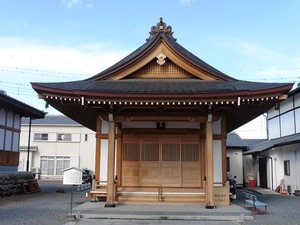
209, 164
98, 148
119, 154
110, 198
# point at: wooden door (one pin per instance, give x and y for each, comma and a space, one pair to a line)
263, 182
161, 160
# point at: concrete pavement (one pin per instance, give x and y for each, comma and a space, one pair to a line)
92, 212
162, 213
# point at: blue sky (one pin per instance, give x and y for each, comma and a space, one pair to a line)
63, 40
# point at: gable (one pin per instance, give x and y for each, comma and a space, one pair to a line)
162, 61
154, 70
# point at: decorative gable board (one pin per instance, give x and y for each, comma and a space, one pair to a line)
166, 70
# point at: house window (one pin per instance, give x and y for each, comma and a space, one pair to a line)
40, 137
287, 171
62, 162
228, 164
85, 137
64, 137
53, 165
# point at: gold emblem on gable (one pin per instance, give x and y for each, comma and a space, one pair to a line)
160, 59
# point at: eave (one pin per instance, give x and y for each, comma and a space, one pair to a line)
19, 107
239, 107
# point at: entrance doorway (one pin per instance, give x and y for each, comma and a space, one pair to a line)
161, 160
263, 172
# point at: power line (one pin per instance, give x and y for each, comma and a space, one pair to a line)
43, 72
83, 75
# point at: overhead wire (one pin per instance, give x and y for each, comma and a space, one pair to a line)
24, 88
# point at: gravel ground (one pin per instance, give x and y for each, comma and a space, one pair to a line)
50, 207
45, 207
282, 209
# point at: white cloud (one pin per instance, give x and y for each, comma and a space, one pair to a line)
78, 3
23, 61
261, 62
186, 2
87, 59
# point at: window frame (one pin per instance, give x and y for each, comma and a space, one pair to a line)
287, 167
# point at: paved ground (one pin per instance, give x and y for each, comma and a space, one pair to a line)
50, 207
46, 207
282, 209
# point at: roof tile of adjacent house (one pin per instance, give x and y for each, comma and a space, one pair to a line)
235, 141
52, 120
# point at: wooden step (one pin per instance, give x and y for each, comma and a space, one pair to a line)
166, 197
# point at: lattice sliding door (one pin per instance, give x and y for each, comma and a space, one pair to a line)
161, 160
170, 165
190, 159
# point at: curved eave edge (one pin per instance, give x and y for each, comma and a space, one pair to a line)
22, 108
123, 63
238, 97
70, 89
196, 61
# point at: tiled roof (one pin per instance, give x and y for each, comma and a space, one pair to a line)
252, 142
235, 141
276, 142
19, 107
51, 120
161, 86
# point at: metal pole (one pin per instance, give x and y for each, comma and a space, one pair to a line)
28, 149
71, 200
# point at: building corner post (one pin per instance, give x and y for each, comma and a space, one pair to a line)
110, 198
209, 164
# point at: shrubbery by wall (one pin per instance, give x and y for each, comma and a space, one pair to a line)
10, 182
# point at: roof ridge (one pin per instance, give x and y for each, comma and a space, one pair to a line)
161, 27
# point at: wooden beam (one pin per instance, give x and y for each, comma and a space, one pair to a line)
110, 198
200, 119
209, 166
119, 155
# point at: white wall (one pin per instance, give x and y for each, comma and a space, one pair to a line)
279, 155
103, 161
82, 152
236, 164
217, 149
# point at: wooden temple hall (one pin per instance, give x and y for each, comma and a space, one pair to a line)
161, 116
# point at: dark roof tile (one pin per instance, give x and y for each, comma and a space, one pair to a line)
19, 107
272, 143
52, 120
235, 141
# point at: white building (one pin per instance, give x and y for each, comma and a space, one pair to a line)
56, 142
235, 148
278, 158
